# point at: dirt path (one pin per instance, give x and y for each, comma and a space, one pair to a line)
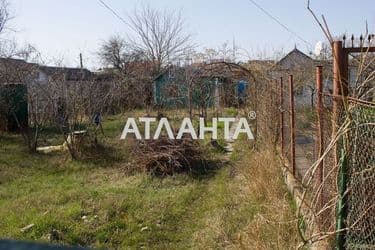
229, 143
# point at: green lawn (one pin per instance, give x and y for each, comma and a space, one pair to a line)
95, 203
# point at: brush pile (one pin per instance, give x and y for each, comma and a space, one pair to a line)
166, 157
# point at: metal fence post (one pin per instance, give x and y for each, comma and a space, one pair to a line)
340, 89
282, 115
340, 92
292, 127
320, 142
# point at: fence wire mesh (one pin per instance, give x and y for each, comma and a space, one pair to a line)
343, 200
326, 190
267, 110
285, 113
361, 179
323, 193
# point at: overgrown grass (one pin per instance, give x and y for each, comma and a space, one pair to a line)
95, 203
274, 225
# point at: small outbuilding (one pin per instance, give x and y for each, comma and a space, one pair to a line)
219, 84
13, 107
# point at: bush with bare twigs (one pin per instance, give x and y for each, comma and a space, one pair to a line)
167, 157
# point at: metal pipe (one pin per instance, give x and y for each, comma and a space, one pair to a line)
320, 140
340, 88
282, 115
292, 126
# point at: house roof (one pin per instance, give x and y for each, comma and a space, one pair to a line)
14, 62
15, 70
294, 58
18, 70
71, 74
219, 69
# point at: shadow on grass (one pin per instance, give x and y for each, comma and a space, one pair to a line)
199, 170
204, 169
9, 138
103, 155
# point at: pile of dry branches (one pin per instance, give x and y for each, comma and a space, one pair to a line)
166, 157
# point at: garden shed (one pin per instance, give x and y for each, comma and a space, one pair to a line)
221, 84
13, 107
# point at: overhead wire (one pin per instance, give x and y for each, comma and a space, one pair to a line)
113, 12
280, 23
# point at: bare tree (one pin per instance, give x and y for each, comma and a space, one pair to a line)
159, 35
5, 46
222, 53
13, 74
4, 14
114, 52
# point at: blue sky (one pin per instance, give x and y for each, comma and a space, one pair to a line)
61, 29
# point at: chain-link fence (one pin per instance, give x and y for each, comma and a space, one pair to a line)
338, 182
285, 120
360, 152
267, 110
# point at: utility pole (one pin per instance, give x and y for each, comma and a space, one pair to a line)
80, 60
234, 49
